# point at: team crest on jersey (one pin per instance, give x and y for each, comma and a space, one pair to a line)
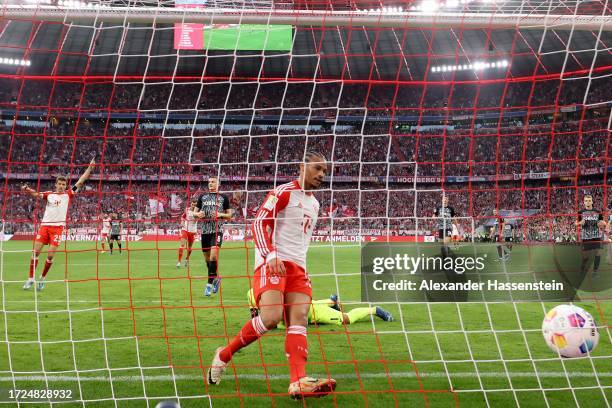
270, 203
274, 280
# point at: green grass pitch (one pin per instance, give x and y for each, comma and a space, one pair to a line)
128, 330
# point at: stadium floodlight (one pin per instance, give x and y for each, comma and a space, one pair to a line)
14, 61
429, 6
476, 66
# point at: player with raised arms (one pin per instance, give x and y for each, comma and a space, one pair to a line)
53, 222
282, 230
591, 225
189, 227
213, 208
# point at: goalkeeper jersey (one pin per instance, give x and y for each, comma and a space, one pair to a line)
319, 311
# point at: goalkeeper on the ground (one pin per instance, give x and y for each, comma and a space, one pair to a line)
327, 311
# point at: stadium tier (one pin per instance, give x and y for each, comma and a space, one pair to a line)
196, 196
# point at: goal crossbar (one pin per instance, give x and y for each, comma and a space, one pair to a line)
305, 17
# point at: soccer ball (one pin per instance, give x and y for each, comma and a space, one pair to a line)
570, 331
167, 404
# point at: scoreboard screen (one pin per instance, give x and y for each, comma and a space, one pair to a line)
239, 37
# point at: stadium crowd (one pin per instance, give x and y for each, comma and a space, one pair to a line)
367, 146
272, 97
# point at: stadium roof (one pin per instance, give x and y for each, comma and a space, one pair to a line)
328, 52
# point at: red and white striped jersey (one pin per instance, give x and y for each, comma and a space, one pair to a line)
188, 222
56, 210
284, 224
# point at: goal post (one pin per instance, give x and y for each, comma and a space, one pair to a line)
100, 12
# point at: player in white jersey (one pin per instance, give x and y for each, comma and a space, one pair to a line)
281, 287
189, 228
53, 222
106, 226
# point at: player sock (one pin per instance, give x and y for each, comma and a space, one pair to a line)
360, 313
188, 254
212, 271
111, 247
103, 246
584, 264
119, 245
445, 251
180, 253
250, 332
500, 251
33, 264
296, 348
596, 263
48, 264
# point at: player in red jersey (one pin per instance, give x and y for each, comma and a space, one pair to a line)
281, 231
189, 228
106, 225
53, 222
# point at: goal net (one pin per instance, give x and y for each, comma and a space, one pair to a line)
502, 107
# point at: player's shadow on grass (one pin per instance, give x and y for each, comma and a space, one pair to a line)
577, 268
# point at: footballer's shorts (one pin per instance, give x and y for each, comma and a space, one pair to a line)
211, 240
188, 236
103, 236
591, 244
442, 233
115, 237
50, 235
295, 280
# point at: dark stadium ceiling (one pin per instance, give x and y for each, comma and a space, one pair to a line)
324, 53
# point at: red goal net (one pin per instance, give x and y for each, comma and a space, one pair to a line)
501, 106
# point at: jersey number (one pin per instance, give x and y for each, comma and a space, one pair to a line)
306, 223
